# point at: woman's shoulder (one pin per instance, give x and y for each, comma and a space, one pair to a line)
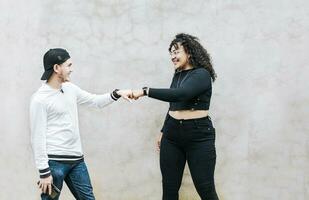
202, 71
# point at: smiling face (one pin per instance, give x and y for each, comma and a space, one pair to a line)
64, 70
179, 57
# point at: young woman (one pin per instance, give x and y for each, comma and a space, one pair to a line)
187, 133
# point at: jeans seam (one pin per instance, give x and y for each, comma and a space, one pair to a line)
74, 188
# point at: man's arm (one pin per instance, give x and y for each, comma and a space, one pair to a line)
99, 101
38, 121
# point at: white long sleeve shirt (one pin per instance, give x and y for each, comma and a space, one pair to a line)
54, 122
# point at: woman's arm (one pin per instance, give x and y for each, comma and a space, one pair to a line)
196, 83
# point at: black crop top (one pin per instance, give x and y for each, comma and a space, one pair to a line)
189, 90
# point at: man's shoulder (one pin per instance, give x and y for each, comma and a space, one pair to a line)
68, 85
40, 95
36, 101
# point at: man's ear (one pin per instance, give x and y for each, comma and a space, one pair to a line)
56, 68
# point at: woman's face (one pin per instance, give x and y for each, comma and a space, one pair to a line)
179, 57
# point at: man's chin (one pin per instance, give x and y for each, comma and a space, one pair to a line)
66, 80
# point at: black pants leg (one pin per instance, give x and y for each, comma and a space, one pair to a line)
172, 164
192, 141
201, 162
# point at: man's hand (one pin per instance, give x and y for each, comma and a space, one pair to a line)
126, 94
158, 141
45, 184
137, 94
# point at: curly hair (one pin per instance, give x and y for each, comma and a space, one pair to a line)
198, 54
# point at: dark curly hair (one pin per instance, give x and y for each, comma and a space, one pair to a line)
198, 54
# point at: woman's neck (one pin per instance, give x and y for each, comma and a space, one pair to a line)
187, 67
184, 68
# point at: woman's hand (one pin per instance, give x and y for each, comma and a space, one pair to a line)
158, 141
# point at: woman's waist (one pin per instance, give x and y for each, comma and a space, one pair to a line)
188, 114
200, 122
192, 106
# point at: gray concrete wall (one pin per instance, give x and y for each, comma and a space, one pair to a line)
259, 107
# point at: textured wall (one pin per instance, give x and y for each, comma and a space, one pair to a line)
259, 107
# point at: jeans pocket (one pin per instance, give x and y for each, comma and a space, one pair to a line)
204, 125
203, 130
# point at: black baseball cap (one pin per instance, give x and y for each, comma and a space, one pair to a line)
52, 57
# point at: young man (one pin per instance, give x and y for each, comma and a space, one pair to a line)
55, 134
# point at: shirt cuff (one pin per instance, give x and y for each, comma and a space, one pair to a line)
114, 95
44, 173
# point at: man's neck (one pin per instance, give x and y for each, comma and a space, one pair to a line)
54, 82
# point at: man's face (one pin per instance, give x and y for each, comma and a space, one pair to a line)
65, 69
179, 57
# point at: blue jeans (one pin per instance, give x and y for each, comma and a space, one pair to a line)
75, 176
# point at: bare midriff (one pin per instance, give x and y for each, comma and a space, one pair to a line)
188, 114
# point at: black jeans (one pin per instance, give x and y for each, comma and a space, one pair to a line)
193, 141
